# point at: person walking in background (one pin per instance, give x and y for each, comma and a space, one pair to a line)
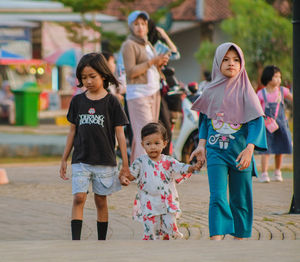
203, 83
279, 141
231, 126
156, 203
7, 102
96, 118
111, 62
164, 45
120, 91
142, 67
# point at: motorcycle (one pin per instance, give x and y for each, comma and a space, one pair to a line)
187, 139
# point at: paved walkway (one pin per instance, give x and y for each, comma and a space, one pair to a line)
35, 212
35, 216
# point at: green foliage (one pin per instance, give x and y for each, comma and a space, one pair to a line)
205, 54
264, 36
164, 10
84, 6
75, 31
158, 16
128, 6
115, 40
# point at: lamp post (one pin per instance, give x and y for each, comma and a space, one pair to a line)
295, 207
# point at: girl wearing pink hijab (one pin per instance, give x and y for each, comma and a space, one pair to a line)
231, 126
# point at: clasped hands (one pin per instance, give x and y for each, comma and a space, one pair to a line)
243, 160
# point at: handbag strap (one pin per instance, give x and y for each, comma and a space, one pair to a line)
278, 103
277, 110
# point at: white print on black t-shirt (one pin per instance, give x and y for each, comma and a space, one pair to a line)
86, 119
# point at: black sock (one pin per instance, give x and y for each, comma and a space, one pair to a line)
76, 226
102, 230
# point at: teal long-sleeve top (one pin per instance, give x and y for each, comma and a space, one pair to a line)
224, 142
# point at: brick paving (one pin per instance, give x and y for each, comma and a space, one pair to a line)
35, 210
44, 200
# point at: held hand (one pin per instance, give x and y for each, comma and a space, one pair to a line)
63, 170
125, 176
244, 158
200, 154
195, 167
124, 180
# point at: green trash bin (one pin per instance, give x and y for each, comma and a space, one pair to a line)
26, 101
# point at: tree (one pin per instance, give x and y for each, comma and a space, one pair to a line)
76, 31
264, 36
112, 40
205, 55
85, 6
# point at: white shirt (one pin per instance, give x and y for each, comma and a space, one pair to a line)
153, 81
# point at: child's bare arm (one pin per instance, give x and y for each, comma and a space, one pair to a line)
122, 144
67, 151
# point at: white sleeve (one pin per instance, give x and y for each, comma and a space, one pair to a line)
135, 168
178, 167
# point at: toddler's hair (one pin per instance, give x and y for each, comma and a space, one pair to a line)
268, 73
98, 63
152, 128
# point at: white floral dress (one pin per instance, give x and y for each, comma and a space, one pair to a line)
157, 194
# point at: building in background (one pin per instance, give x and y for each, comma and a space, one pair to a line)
39, 47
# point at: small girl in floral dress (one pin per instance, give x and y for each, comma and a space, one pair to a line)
156, 204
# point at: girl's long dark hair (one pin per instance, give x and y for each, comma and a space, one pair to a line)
98, 63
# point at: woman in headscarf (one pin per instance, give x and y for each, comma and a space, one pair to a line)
142, 67
231, 126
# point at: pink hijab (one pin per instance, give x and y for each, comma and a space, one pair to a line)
231, 100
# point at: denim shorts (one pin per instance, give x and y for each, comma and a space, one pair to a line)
105, 179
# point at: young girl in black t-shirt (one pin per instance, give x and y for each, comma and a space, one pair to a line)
96, 118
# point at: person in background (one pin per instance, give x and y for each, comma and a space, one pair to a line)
272, 100
111, 62
143, 72
202, 84
164, 45
7, 102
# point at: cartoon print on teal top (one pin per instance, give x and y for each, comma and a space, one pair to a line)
224, 133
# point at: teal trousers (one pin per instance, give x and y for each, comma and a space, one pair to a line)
233, 216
